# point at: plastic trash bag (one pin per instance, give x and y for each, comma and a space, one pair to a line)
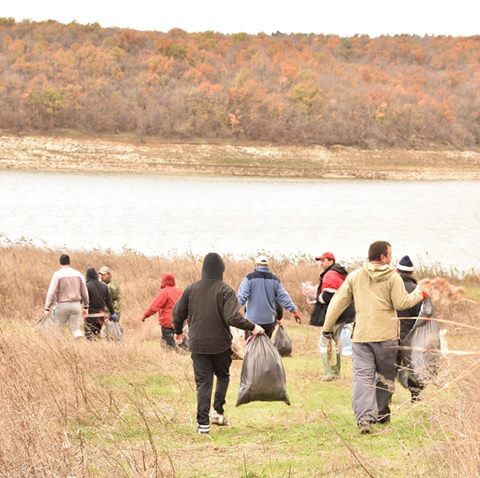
443, 342
346, 339
238, 343
330, 355
282, 342
319, 312
420, 354
113, 331
309, 291
263, 376
46, 324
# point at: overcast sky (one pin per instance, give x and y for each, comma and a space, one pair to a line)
341, 17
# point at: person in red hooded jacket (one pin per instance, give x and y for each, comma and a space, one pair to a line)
163, 304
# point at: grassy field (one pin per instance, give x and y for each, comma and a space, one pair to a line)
71, 152
128, 410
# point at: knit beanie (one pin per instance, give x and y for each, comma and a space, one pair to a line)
405, 264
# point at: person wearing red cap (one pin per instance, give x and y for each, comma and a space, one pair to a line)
331, 278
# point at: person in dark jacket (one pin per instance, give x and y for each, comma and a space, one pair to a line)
99, 299
331, 278
211, 307
408, 317
163, 304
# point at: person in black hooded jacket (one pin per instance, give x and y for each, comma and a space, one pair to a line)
211, 307
408, 317
99, 299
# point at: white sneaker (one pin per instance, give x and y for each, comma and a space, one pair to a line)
203, 429
217, 419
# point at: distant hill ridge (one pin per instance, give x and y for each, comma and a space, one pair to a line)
400, 91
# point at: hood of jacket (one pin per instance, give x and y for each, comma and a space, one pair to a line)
336, 268
408, 277
168, 280
91, 274
213, 267
378, 273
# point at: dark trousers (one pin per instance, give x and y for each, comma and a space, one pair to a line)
168, 337
269, 328
205, 366
406, 326
93, 327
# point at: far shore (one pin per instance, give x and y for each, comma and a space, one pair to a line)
75, 153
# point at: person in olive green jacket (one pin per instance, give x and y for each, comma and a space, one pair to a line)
106, 276
378, 292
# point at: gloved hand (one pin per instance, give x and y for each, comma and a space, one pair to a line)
297, 317
258, 330
114, 317
327, 335
178, 338
424, 294
45, 313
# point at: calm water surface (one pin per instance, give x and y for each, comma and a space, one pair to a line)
431, 221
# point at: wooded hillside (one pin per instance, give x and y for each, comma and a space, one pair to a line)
403, 91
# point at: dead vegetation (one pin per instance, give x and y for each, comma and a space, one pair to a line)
100, 410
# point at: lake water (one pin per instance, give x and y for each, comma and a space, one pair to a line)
159, 215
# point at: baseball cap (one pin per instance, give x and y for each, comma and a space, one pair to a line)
261, 260
326, 255
104, 270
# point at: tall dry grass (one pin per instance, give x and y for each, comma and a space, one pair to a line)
53, 389
55, 392
26, 271
61, 415
455, 403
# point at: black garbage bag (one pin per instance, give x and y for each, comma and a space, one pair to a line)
319, 313
420, 349
282, 342
263, 375
317, 318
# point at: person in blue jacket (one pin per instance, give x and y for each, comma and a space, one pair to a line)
259, 292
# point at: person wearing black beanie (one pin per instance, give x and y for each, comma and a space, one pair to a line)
408, 317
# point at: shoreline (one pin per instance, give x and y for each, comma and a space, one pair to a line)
125, 155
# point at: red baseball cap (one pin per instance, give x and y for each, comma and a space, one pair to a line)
326, 255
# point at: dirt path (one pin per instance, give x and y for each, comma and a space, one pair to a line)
57, 153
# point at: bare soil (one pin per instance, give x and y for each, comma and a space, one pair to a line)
78, 154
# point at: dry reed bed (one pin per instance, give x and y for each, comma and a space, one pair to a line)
55, 392
62, 413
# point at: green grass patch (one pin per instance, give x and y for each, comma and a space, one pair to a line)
315, 436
